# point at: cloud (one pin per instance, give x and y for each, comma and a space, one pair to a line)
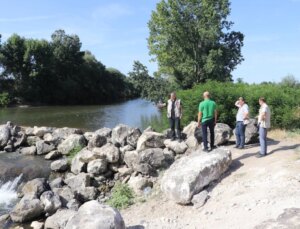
111, 11
23, 19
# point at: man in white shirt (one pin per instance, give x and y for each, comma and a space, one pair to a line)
241, 116
264, 122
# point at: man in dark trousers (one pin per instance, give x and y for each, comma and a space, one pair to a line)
174, 113
207, 118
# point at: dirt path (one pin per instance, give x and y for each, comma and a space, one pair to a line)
255, 193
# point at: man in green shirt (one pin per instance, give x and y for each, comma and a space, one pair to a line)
207, 118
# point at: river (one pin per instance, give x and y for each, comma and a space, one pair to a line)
137, 113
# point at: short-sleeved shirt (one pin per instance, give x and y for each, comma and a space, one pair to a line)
267, 122
207, 107
240, 114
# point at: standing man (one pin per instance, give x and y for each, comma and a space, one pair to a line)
264, 122
241, 117
174, 115
207, 118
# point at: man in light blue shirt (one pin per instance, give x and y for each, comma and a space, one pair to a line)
241, 117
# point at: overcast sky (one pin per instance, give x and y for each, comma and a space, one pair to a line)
115, 31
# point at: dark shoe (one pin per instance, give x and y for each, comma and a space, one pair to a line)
260, 155
236, 146
205, 150
241, 147
213, 147
173, 139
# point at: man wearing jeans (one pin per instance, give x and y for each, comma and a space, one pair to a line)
241, 116
174, 114
207, 118
264, 122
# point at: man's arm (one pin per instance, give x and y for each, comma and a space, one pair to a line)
216, 116
199, 118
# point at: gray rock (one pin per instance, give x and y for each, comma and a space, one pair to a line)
43, 148
200, 199
105, 132
251, 133
8, 148
124, 171
138, 184
103, 216
37, 225
108, 151
30, 150
51, 202
131, 158
57, 183
188, 175
29, 131
78, 181
53, 155
60, 165
35, 187
97, 141
73, 205
222, 133
71, 142
88, 135
28, 209
190, 129
65, 193
20, 139
4, 135
119, 134
77, 165
192, 142
149, 129
32, 140
150, 140
41, 131
126, 148
97, 167
169, 156
84, 194
133, 136
177, 147
60, 219
86, 155
65, 132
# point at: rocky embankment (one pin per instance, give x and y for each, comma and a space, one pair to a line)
80, 185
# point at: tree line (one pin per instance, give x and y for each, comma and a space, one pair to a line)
57, 72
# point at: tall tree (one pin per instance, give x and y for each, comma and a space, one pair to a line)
192, 40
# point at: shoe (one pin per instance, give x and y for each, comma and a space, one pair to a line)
213, 147
241, 147
173, 139
205, 150
260, 155
236, 146
179, 140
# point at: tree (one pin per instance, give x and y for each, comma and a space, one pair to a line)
289, 81
191, 40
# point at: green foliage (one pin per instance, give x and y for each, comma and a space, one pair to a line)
4, 99
284, 102
58, 72
122, 196
73, 153
290, 81
191, 40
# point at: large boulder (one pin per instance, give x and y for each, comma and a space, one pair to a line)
65, 193
78, 181
63, 133
133, 136
131, 158
102, 216
43, 148
251, 133
110, 152
97, 167
150, 139
60, 165
41, 131
192, 142
19, 139
190, 129
71, 142
138, 184
188, 175
51, 202
32, 140
35, 187
119, 134
53, 155
60, 219
97, 141
223, 133
4, 135
177, 147
30, 150
28, 209
105, 132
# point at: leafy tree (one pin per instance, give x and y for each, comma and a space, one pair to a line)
191, 39
289, 81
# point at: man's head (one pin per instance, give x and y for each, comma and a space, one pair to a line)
173, 96
206, 95
261, 100
241, 101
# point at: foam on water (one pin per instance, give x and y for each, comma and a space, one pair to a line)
8, 193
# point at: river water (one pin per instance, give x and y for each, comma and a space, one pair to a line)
137, 113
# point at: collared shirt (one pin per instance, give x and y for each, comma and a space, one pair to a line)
241, 112
207, 107
267, 122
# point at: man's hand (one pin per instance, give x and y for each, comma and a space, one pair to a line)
199, 124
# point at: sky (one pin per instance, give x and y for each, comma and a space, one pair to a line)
116, 31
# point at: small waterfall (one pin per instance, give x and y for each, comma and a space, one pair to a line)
8, 194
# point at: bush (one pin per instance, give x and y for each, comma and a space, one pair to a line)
122, 196
73, 153
4, 99
284, 102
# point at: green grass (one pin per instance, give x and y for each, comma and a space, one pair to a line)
122, 196
73, 153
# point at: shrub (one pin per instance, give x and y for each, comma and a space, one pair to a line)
73, 153
284, 102
4, 99
122, 196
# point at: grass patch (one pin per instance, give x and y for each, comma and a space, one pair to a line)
122, 196
278, 134
73, 153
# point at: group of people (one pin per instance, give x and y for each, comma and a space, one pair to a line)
208, 116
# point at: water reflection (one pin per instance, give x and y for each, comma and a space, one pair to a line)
138, 113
